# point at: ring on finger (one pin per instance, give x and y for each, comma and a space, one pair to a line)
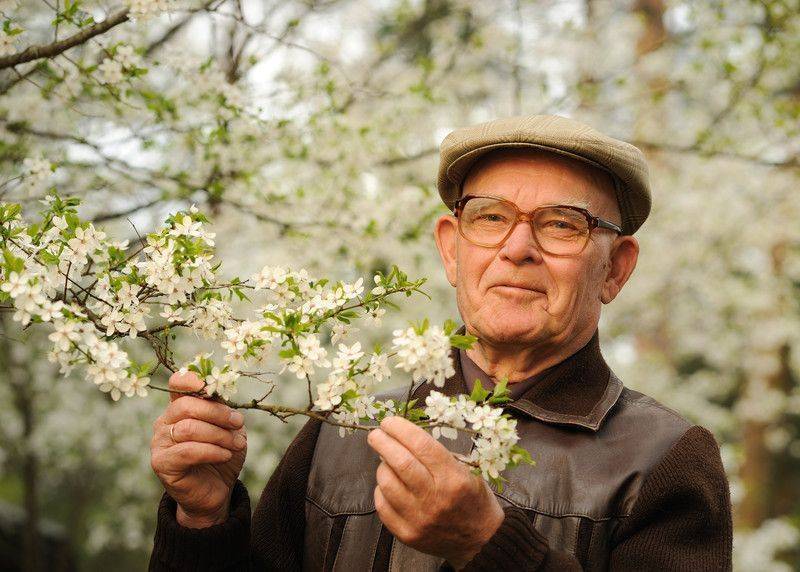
171, 434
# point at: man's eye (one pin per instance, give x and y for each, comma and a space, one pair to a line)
491, 217
560, 225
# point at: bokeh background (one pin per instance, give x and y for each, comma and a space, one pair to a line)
309, 132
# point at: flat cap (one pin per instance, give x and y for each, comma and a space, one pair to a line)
624, 162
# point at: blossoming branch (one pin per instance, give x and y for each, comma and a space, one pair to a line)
95, 293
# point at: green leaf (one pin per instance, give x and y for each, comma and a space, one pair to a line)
415, 414
463, 342
241, 295
348, 395
518, 456
500, 394
479, 394
13, 263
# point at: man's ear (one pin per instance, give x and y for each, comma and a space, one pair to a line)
623, 257
445, 233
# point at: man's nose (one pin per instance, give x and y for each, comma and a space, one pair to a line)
520, 247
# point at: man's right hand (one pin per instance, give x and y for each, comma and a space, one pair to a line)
200, 467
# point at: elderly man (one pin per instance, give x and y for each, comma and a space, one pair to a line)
544, 209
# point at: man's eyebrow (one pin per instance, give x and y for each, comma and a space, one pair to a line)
579, 204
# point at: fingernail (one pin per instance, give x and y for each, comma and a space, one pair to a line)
236, 418
239, 441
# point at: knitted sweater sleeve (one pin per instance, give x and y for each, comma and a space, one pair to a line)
680, 521
276, 540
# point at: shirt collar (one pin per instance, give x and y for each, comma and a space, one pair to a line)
578, 391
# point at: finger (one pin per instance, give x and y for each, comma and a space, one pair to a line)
403, 463
184, 456
205, 410
184, 382
390, 517
425, 448
191, 429
394, 490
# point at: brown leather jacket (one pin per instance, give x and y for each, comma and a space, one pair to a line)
593, 454
621, 483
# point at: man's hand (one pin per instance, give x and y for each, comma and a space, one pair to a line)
200, 466
428, 499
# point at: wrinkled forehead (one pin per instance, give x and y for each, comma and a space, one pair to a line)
518, 174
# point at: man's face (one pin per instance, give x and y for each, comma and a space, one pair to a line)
515, 294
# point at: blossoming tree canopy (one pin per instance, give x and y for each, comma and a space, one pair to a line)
95, 294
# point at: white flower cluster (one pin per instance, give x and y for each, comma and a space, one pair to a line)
332, 298
93, 293
109, 366
27, 292
284, 285
145, 9
311, 354
35, 170
222, 382
496, 432
760, 549
425, 355
218, 381
341, 380
112, 69
245, 336
164, 254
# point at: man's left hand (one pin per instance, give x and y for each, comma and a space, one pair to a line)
429, 500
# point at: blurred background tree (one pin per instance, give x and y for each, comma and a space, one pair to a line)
310, 129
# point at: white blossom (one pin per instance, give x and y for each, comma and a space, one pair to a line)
347, 355
15, 284
65, 333
329, 394
270, 277
378, 367
127, 56
111, 71
36, 170
134, 385
341, 330
426, 356
378, 290
145, 9
7, 44
222, 383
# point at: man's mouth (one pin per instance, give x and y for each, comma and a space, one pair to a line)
517, 288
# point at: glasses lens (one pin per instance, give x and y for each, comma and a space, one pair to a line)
560, 230
486, 220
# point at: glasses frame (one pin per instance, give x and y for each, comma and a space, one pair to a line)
522, 216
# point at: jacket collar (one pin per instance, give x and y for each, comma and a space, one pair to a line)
579, 391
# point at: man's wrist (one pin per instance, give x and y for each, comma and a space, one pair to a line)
493, 525
189, 520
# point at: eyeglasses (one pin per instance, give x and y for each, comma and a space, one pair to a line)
560, 230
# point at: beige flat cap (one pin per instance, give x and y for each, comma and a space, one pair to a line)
626, 163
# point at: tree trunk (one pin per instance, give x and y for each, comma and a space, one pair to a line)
16, 375
766, 492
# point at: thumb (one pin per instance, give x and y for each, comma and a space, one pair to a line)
184, 382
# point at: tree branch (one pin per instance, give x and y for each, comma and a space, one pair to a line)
50, 50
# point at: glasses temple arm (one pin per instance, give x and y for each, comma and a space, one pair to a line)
609, 225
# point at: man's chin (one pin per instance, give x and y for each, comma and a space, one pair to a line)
511, 331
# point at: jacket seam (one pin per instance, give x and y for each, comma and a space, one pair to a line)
338, 513
565, 515
654, 405
339, 548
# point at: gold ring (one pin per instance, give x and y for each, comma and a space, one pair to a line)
171, 436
